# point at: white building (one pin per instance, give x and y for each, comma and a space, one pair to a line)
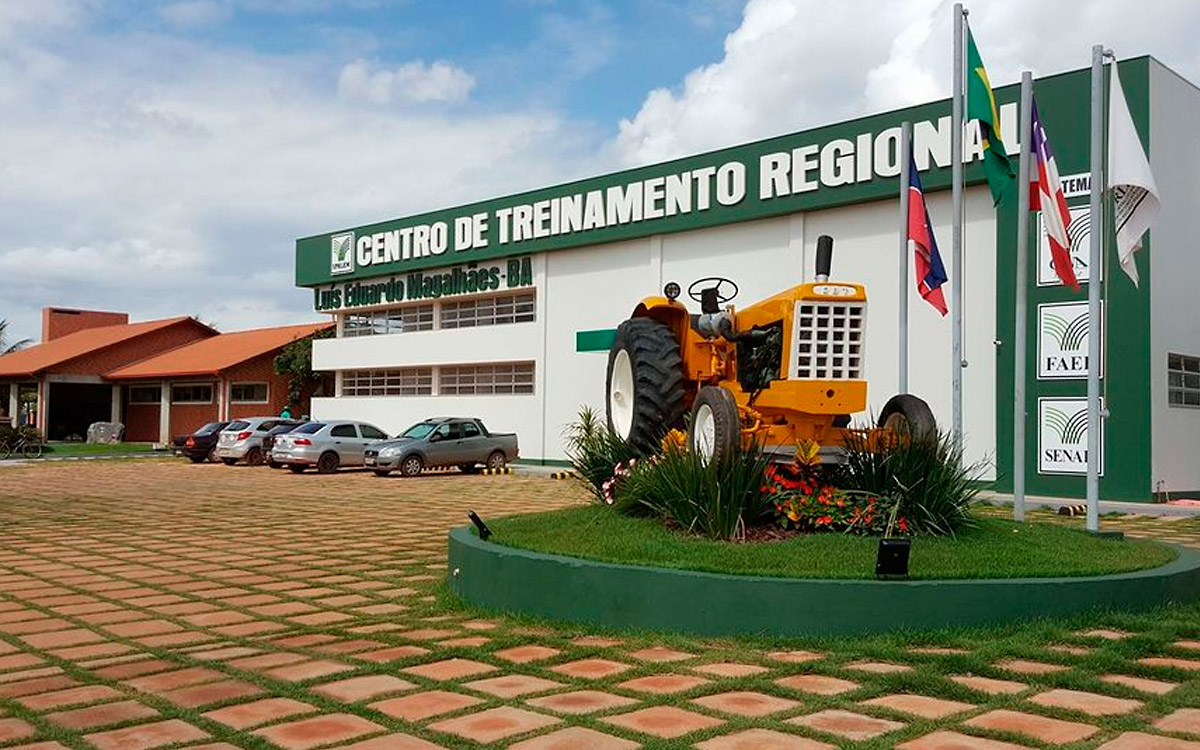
505, 309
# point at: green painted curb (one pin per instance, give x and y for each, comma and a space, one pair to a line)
607, 594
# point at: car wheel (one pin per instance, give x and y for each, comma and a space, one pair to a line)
254, 457
212, 457
411, 466
297, 468
496, 460
229, 461
328, 463
382, 472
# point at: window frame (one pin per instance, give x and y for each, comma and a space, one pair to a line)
196, 402
266, 399
137, 402
488, 379
1186, 370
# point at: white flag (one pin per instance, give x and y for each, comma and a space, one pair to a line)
1130, 179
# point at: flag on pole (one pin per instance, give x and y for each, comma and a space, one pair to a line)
981, 105
1046, 195
931, 274
1136, 195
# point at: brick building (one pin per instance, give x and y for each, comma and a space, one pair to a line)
217, 379
158, 377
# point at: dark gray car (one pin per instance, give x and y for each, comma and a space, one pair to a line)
441, 441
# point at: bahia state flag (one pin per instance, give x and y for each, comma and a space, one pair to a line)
931, 274
981, 105
1046, 195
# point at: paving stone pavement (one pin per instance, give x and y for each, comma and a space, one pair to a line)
154, 604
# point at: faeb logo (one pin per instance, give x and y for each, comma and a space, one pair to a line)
341, 253
1063, 331
1080, 233
1063, 436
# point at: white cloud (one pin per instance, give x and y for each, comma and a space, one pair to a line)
411, 82
194, 13
793, 64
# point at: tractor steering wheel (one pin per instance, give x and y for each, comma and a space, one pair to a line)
694, 292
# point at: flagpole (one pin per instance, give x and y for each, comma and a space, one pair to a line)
1020, 328
1095, 256
956, 178
905, 159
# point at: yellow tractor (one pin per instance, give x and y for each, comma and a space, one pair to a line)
781, 371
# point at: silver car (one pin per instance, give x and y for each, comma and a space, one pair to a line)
326, 445
242, 439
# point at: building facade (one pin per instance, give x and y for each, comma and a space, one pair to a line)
505, 309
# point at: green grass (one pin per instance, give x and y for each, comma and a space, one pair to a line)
993, 548
96, 449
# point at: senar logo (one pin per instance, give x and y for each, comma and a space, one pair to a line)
341, 253
1063, 436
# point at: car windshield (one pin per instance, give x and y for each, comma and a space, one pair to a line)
419, 430
281, 429
210, 427
309, 429
238, 425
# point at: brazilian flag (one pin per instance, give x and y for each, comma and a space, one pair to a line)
981, 105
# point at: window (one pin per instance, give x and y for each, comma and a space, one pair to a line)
1183, 380
404, 381
470, 430
510, 377
248, 393
396, 320
145, 394
372, 433
343, 430
519, 307
191, 394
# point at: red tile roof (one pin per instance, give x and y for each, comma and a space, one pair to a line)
34, 359
211, 356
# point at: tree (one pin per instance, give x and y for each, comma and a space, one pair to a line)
6, 348
295, 362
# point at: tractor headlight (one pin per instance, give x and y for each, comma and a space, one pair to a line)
671, 291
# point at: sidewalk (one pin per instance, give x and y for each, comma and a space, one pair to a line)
1106, 506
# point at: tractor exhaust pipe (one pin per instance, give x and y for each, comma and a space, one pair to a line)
824, 257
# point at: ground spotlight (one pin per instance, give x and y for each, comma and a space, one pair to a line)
484, 531
892, 560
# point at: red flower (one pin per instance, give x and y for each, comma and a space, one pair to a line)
902, 524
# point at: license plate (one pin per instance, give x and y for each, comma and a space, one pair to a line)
368, 461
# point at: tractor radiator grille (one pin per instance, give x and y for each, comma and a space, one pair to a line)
828, 339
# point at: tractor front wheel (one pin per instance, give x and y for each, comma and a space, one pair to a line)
644, 385
716, 432
906, 414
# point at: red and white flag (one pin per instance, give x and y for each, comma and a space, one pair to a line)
1046, 195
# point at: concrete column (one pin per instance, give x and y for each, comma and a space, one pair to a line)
13, 403
43, 406
116, 404
164, 414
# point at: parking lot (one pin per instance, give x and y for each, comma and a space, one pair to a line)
156, 603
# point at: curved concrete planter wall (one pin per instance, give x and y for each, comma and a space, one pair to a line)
584, 591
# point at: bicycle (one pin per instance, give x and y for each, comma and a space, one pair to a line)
24, 447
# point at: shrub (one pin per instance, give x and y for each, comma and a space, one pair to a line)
595, 451
717, 499
803, 501
926, 479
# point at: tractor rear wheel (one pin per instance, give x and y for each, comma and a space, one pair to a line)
644, 385
716, 432
906, 414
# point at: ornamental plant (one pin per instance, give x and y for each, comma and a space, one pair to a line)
595, 452
803, 502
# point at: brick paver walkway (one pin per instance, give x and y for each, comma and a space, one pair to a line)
155, 604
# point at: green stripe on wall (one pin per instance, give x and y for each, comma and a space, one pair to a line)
595, 341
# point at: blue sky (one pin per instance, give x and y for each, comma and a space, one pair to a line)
160, 158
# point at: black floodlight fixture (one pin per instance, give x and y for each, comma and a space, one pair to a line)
672, 290
484, 531
892, 560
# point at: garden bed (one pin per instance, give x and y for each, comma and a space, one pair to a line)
992, 548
